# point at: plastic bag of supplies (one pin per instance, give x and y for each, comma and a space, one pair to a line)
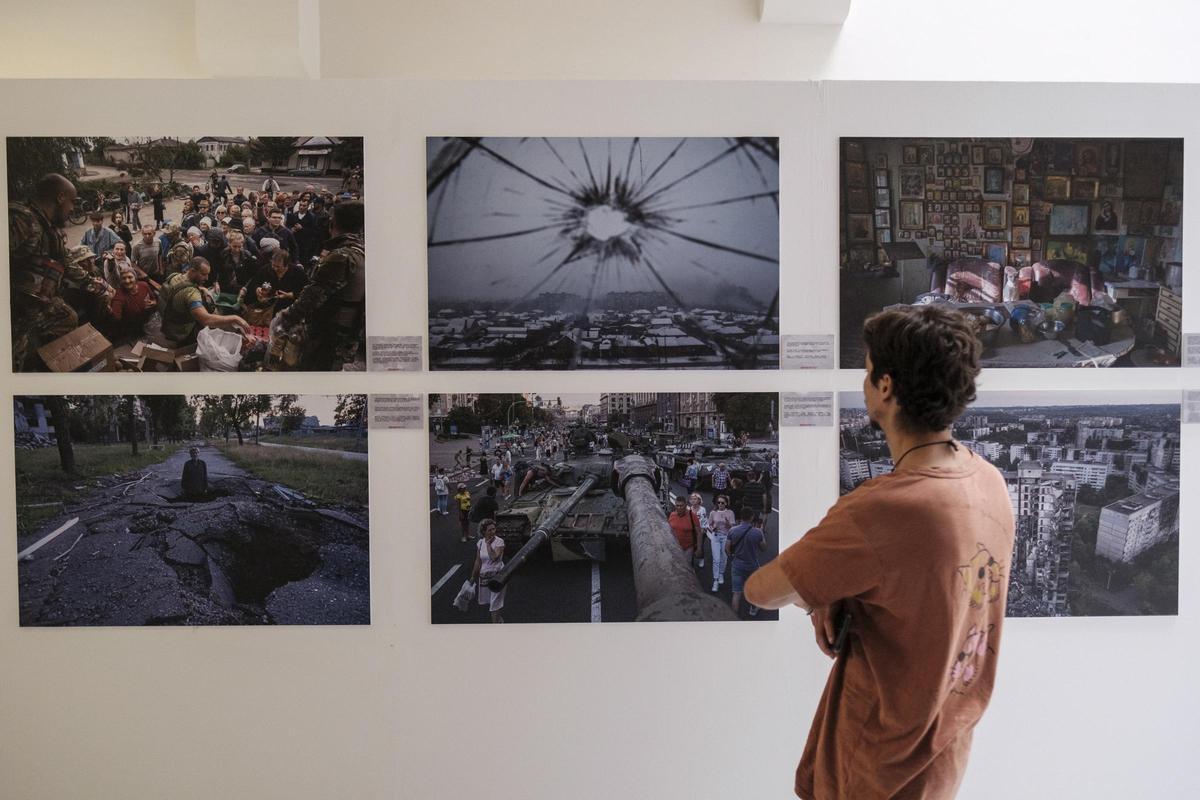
219, 350
465, 595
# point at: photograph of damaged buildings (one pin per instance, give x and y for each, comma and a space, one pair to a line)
1094, 490
192, 510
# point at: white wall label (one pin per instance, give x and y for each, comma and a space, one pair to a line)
808, 351
394, 353
1191, 349
806, 409
1191, 406
396, 411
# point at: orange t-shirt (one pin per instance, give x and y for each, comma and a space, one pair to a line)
921, 558
686, 528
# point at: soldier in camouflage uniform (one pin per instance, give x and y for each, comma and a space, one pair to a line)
331, 305
38, 267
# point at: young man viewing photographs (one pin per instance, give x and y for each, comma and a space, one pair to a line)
914, 565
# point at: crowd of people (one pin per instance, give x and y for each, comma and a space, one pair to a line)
720, 541
290, 264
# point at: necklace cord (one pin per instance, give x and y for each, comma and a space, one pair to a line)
951, 442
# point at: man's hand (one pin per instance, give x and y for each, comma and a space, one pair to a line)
824, 622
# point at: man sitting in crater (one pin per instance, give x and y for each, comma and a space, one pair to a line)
195, 476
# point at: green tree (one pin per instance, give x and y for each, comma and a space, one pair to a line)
746, 411
60, 413
31, 157
351, 409
234, 154
167, 414
233, 412
272, 150
349, 152
291, 416
129, 406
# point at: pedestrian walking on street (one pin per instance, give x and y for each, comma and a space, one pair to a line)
463, 499
745, 542
720, 521
156, 199
686, 527
720, 480
489, 560
441, 490
485, 510
696, 504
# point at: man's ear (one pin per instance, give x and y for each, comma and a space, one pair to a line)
885, 386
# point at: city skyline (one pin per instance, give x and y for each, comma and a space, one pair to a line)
1094, 489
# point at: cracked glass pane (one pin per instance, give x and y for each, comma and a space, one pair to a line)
561, 253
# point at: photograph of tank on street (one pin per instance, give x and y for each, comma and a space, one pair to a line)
1094, 489
599, 253
612, 507
192, 510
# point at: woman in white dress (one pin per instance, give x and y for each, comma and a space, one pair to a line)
489, 559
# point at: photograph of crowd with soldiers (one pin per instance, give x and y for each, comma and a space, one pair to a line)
614, 507
169, 509
163, 254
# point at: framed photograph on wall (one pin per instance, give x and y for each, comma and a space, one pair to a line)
1085, 189
881, 178
881, 161
1020, 236
856, 174
854, 150
912, 182
1069, 219
1021, 258
1020, 215
994, 216
858, 201
912, 215
1058, 187
993, 180
995, 155
1089, 159
1020, 194
1106, 216
859, 229
1067, 250
883, 198
996, 252
909, 154
883, 218
925, 155
883, 237
978, 154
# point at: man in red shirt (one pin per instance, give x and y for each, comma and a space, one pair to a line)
917, 561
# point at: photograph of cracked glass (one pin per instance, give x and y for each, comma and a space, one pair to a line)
186, 254
1094, 489
589, 497
192, 510
603, 253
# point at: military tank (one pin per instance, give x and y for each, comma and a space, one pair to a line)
573, 509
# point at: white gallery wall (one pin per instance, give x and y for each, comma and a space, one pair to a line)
958, 40
1098, 708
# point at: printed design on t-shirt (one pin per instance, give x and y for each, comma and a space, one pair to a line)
983, 577
968, 664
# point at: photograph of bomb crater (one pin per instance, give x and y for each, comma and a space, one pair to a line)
194, 528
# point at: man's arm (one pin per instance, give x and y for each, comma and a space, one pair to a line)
210, 320
770, 588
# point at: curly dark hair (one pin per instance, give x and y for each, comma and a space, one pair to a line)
932, 354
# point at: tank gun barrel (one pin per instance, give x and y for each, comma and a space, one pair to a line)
666, 586
541, 534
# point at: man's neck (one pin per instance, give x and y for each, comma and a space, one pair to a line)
901, 442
